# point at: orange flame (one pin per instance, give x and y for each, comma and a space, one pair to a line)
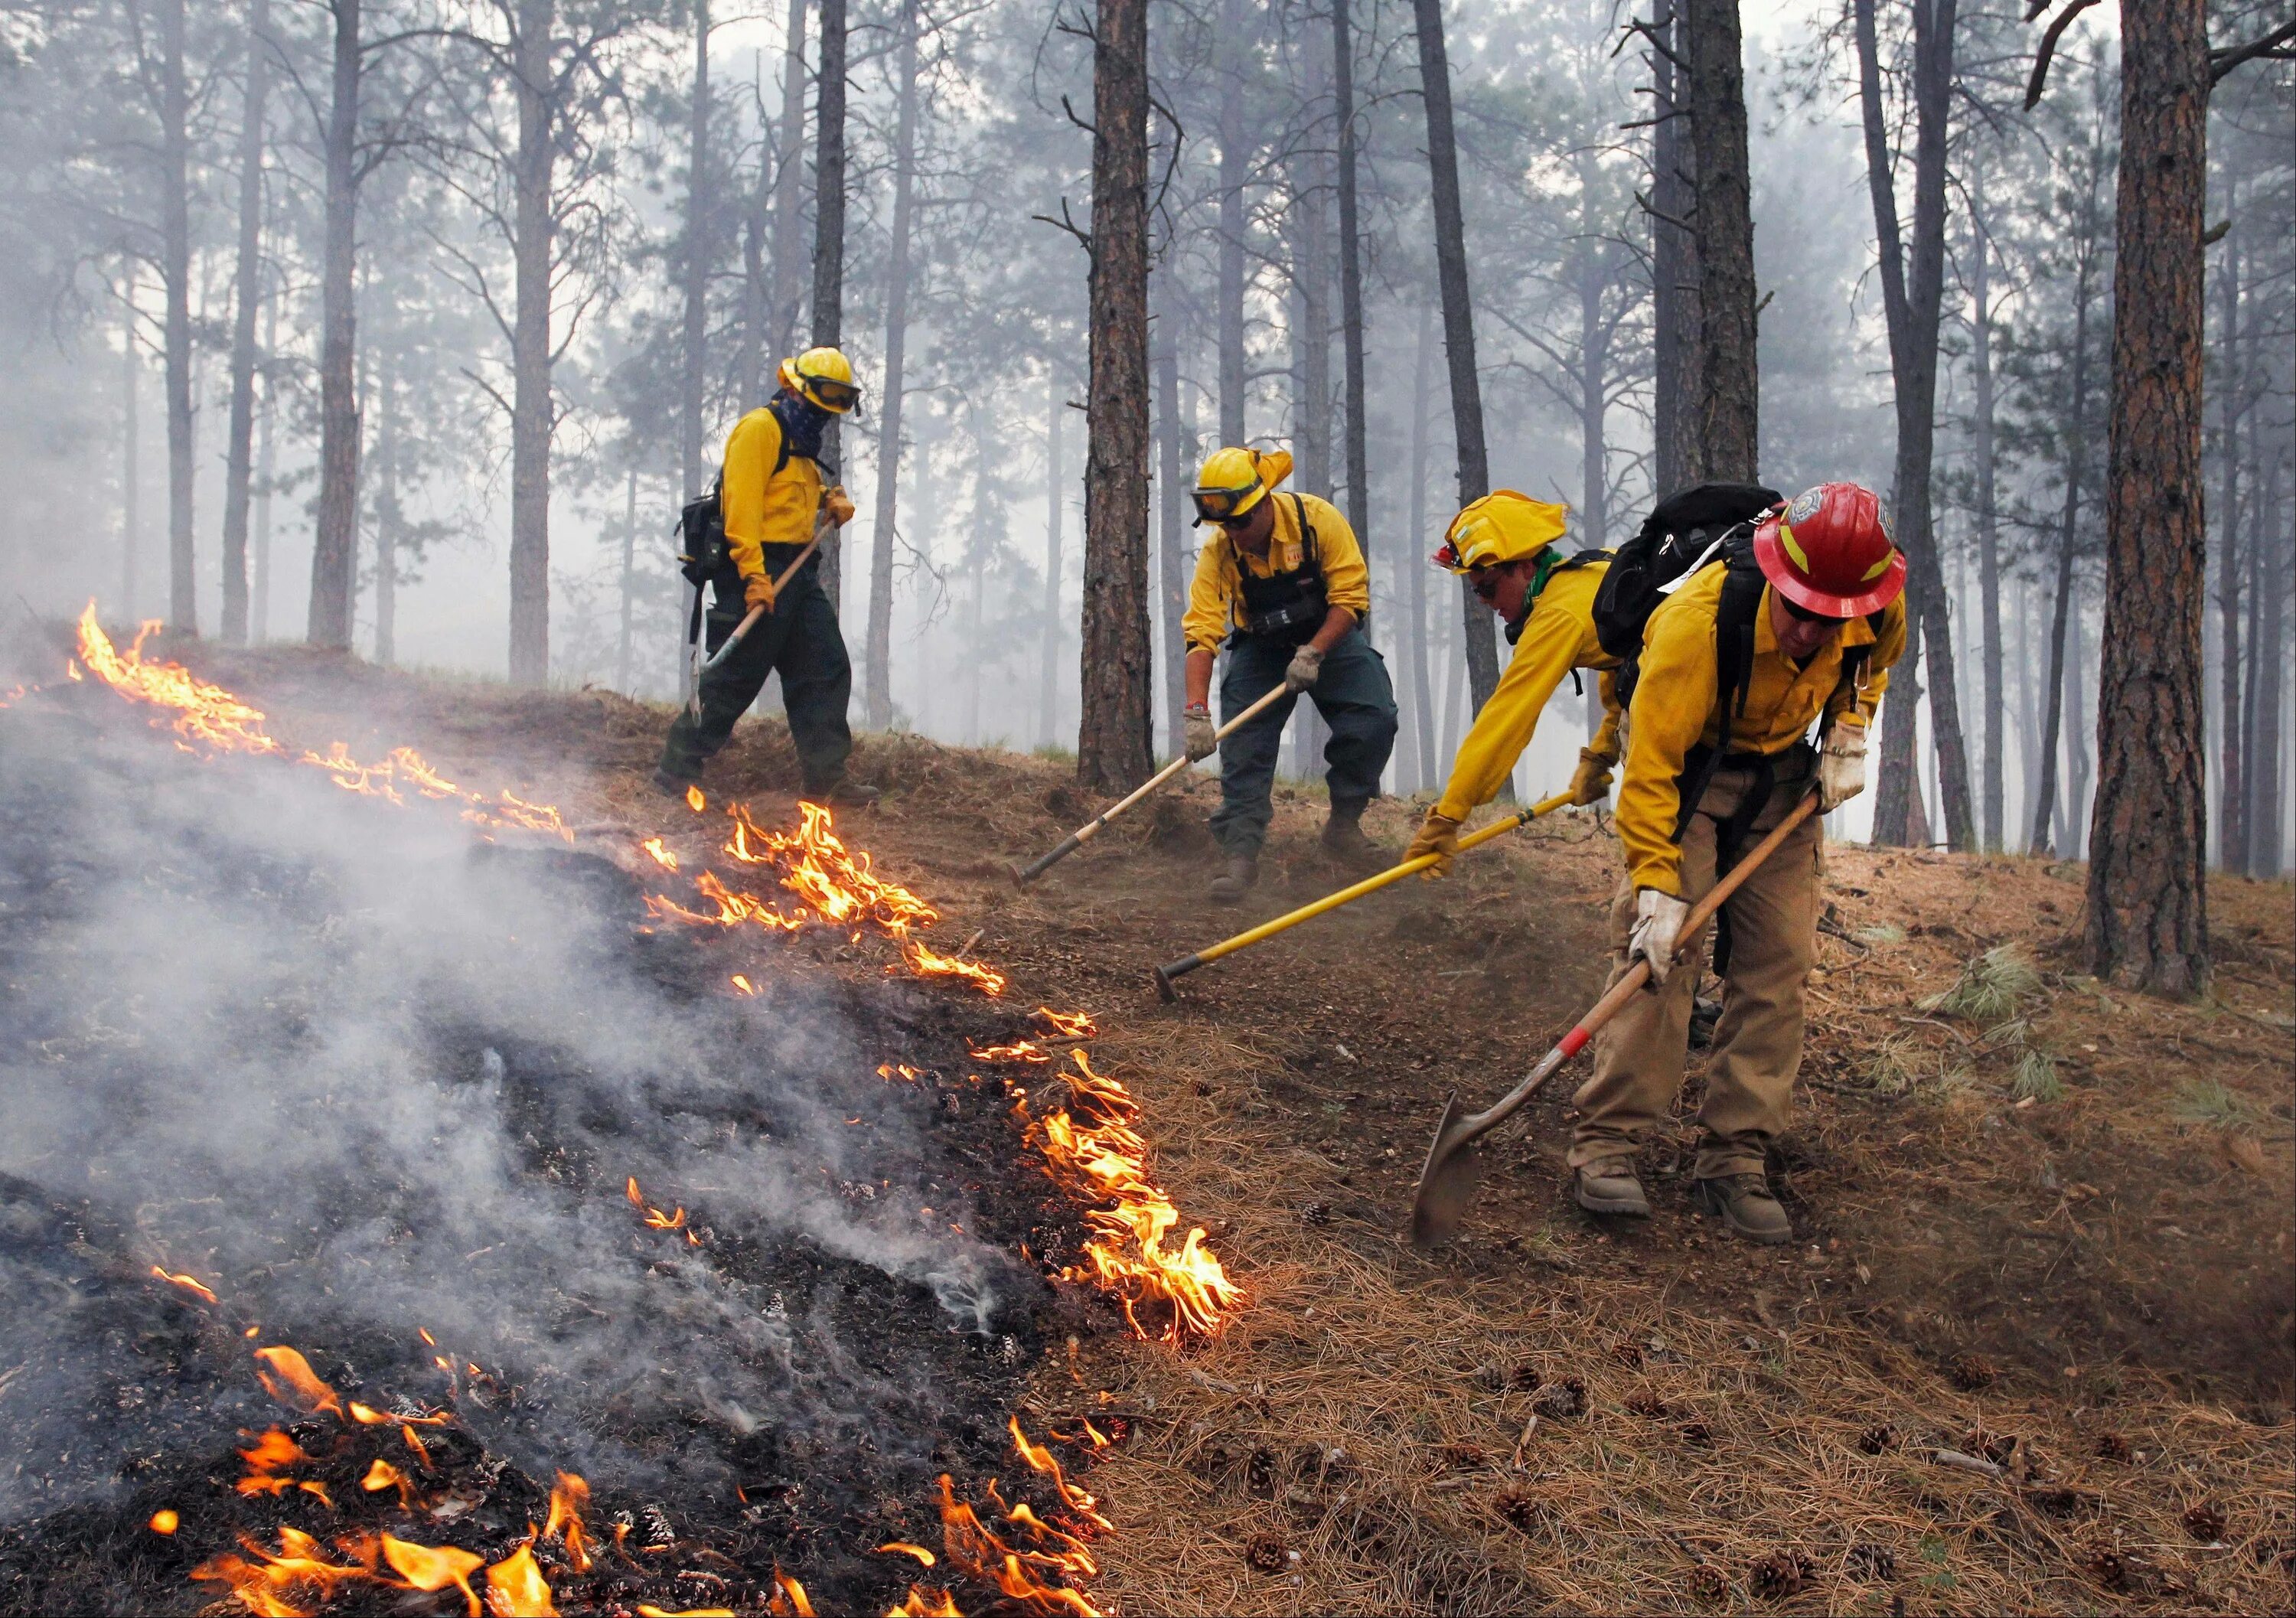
788, 1598
218, 721
662, 857
288, 1377
164, 1521
927, 964
1066, 1024
568, 1497
1106, 1162
836, 883
516, 1588
264, 1585
902, 1547
1019, 1051
204, 713
695, 800
976, 1548
271, 1453
924, 1601
427, 1567
186, 1282
744, 985
1043, 1460
646, 1610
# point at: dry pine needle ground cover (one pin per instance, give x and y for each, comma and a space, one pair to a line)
2041, 1225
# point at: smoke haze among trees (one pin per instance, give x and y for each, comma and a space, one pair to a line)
406, 324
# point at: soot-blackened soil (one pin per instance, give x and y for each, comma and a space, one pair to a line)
126, 1396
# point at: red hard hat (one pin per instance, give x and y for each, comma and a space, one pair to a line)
1828, 552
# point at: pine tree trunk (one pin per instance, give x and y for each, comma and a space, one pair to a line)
700, 186
386, 513
1415, 539
829, 249
629, 576
1048, 676
1677, 457
1729, 398
1234, 168
788, 202
756, 274
1481, 637
1995, 796
131, 480
531, 412
2232, 800
1351, 309
259, 611
1594, 379
2148, 879
2270, 665
246, 294
2243, 725
878, 656
2070, 820
333, 556
1913, 280
176, 276
1115, 735
1177, 450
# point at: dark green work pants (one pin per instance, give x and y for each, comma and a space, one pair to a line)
799, 639
1357, 701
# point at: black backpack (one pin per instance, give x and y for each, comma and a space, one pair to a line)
1686, 530
702, 553
1681, 532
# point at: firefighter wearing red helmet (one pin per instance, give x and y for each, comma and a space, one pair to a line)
1796, 627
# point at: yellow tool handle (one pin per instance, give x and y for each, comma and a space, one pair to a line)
1348, 895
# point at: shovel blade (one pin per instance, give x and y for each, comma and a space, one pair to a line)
1448, 1182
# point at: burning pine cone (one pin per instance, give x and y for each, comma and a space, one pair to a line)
1878, 1441
2205, 1522
1268, 1553
2113, 1447
1778, 1575
1708, 1586
1971, 1372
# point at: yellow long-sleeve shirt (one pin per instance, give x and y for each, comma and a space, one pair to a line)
1559, 637
1217, 587
762, 507
1676, 693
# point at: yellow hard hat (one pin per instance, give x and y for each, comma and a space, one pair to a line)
825, 377
1234, 481
1503, 526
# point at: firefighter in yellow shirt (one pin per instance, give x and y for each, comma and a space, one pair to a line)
1283, 589
1798, 626
1503, 545
771, 496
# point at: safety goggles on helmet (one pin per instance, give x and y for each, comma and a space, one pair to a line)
1224, 506
831, 394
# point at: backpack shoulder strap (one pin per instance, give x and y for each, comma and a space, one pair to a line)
1734, 673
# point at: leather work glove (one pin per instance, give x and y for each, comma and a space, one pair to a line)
1202, 740
1590, 783
1840, 767
1307, 663
758, 590
1658, 928
1439, 834
838, 504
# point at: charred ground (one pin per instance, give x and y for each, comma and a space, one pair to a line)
2056, 1240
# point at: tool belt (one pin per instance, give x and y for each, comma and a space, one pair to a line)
1769, 771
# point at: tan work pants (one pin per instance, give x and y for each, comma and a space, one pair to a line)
1639, 1055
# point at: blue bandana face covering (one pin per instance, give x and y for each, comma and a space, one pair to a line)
802, 423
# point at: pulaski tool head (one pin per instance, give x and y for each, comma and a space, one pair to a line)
1163, 986
1448, 1181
